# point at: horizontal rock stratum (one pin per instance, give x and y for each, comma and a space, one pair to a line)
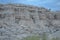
19, 20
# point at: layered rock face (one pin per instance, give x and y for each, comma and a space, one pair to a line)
18, 21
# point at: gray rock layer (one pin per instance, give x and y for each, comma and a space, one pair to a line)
18, 21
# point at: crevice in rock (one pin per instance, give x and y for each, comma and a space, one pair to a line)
31, 16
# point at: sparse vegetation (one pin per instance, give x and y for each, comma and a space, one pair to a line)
44, 37
32, 38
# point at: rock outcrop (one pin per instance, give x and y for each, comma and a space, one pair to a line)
18, 21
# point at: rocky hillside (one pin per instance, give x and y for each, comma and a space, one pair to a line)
19, 20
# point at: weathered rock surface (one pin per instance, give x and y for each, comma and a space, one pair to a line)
18, 21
